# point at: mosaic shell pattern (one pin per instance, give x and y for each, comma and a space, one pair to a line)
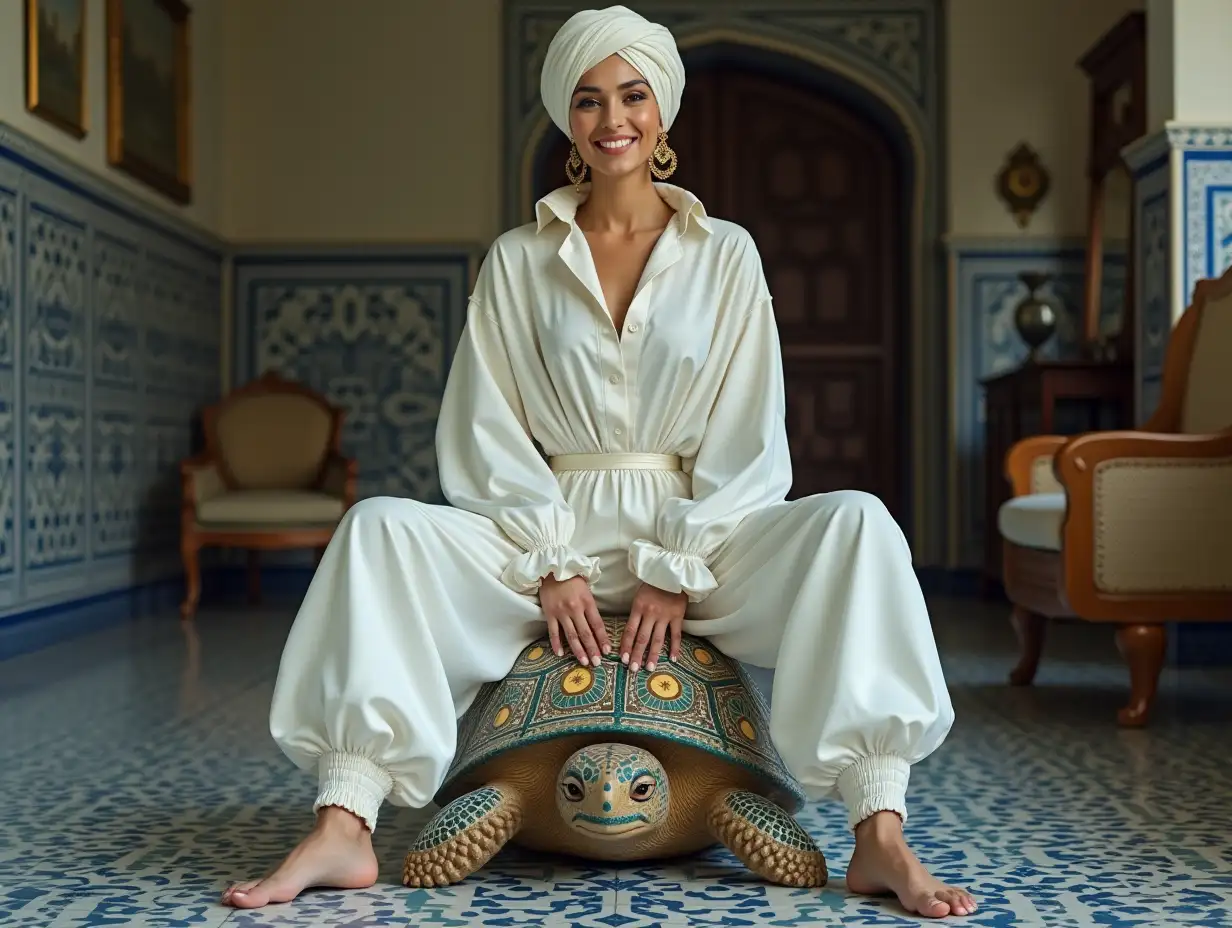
704, 700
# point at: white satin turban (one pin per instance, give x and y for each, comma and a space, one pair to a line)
593, 35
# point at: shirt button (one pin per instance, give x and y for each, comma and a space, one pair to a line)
615, 378
619, 431
633, 326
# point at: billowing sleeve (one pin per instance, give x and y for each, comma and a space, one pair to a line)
743, 463
489, 463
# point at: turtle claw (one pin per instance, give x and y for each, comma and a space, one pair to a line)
767, 839
463, 836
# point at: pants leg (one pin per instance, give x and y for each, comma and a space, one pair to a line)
405, 618
822, 589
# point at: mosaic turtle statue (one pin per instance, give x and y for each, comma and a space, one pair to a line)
602, 763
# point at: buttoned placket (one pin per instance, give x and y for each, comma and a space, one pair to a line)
620, 354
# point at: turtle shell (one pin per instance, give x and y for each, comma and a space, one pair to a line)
705, 700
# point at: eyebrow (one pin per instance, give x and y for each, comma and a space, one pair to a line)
625, 86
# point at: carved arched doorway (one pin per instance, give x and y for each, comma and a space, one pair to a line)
818, 183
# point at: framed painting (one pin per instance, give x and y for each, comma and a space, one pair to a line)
149, 115
56, 63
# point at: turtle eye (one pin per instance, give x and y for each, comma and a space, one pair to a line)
642, 789
572, 790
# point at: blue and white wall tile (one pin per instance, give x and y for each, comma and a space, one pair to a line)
109, 345
986, 291
374, 331
1183, 206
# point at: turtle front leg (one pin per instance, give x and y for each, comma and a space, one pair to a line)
766, 839
463, 836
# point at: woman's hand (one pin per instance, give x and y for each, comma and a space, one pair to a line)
654, 613
568, 606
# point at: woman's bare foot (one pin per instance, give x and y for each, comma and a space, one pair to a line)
882, 863
337, 853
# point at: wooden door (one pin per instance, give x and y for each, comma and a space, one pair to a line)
816, 186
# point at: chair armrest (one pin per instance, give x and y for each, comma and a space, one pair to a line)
1029, 464
200, 480
340, 478
1146, 513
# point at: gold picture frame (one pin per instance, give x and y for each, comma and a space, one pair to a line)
149, 101
56, 63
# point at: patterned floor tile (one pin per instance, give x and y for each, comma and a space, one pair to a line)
140, 780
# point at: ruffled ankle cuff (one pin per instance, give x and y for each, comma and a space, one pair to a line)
352, 782
874, 784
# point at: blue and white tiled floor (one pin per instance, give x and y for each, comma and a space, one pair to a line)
137, 779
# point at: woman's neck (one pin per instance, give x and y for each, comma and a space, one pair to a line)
623, 205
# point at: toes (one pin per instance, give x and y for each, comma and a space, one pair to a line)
959, 901
250, 898
230, 891
932, 906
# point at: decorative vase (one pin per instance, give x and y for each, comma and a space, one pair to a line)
1036, 316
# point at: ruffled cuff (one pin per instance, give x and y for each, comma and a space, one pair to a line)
673, 571
524, 573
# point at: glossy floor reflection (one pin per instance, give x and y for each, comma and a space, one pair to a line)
138, 779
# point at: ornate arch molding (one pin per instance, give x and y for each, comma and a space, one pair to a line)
886, 49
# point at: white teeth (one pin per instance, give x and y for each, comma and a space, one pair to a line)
622, 143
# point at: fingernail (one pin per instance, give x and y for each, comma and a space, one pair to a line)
595, 661
650, 666
240, 892
624, 658
634, 667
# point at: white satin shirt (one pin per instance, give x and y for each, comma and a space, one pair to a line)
696, 372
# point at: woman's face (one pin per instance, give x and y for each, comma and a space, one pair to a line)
614, 118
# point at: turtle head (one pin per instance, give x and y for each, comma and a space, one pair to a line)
612, 791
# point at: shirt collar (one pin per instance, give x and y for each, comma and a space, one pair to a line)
563, 204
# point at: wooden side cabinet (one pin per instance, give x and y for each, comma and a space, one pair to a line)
1043, 398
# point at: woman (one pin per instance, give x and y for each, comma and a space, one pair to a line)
632, 337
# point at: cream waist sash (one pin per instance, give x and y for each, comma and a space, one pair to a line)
616, 461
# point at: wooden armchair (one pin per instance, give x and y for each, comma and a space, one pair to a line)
1133, 528
272, 477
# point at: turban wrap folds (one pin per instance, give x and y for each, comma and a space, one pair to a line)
593, 35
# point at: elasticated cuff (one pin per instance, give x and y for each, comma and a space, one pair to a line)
873, 784
353, 782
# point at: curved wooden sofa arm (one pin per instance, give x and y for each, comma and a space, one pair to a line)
1143, 510
340, 478
200, 480
1023, 457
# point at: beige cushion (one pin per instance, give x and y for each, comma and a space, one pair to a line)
273, 507
1033, 521
275, 441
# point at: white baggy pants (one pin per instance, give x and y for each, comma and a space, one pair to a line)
407, 617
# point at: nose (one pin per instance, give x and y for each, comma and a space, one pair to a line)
613, 116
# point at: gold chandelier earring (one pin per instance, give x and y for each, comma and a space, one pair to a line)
575, 167
663, 161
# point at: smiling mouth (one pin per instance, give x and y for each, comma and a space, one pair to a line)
609, 830
615, 146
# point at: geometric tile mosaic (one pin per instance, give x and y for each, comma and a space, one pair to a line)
987, 291
109, 346
372, 330
137, 787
